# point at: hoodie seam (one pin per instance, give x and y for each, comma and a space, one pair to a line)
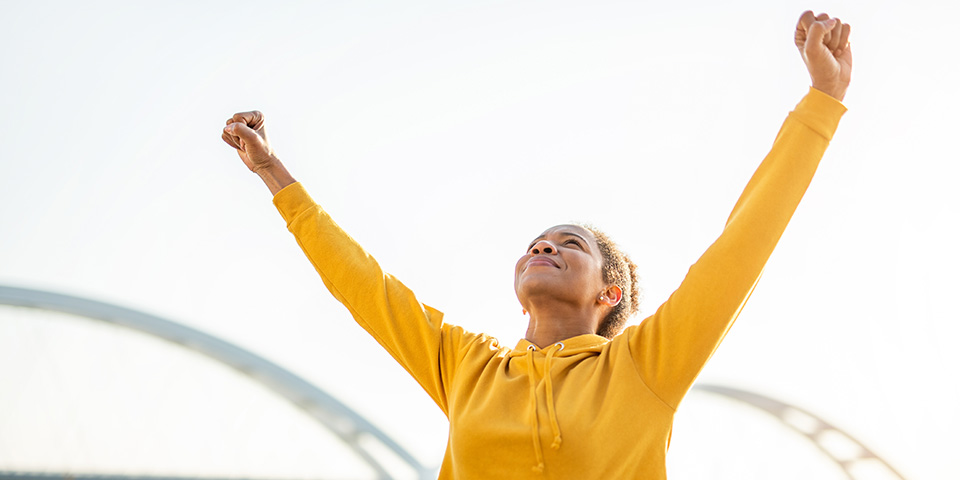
367, 325
644, 381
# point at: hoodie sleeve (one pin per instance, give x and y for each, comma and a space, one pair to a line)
672, 346
413, 333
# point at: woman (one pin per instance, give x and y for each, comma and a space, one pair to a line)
576, 398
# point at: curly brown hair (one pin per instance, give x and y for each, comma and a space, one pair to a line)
618, 270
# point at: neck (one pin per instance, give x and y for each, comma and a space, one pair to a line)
554, 323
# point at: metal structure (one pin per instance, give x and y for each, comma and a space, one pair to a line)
345, 423
844, 450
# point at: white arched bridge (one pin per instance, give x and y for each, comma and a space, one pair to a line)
351, 428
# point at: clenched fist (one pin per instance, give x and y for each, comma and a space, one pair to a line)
823, 44
245, 132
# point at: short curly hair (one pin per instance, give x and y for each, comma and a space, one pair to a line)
618, 270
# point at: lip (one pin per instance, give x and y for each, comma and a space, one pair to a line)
542, 261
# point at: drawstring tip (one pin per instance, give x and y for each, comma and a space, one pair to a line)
538, 468
556, 442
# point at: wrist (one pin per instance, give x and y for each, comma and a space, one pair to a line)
275, 176
835, 91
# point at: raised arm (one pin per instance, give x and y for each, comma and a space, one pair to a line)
672, 346
413, 333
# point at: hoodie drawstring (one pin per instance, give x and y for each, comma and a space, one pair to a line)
537, 449
551, 408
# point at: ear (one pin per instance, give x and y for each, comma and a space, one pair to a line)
611, 296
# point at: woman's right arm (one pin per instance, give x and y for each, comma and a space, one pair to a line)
413, 333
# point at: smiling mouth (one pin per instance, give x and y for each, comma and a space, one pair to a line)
541, 262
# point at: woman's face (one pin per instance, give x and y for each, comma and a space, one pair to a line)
563, 264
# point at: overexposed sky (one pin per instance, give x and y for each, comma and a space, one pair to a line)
444, 136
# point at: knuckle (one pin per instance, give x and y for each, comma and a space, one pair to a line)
256, 122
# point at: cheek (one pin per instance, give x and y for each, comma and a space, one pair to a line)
593, 272
516, 272
519, 266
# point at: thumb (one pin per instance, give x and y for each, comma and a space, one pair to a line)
243, 135
817, 34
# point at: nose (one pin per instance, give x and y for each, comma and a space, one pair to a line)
544, 247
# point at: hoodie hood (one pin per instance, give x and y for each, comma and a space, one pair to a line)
571, 346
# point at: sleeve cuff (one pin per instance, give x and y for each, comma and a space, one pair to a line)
293, 200
820, 112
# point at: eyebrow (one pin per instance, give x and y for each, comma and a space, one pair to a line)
541, 237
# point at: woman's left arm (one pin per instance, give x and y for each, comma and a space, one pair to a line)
673, 345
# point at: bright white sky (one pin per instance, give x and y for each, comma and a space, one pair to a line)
444, 137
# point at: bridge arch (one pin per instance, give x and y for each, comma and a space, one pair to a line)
352, 429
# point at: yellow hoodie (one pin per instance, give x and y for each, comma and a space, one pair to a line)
586, 407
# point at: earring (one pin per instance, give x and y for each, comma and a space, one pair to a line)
602, 298
524, 311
